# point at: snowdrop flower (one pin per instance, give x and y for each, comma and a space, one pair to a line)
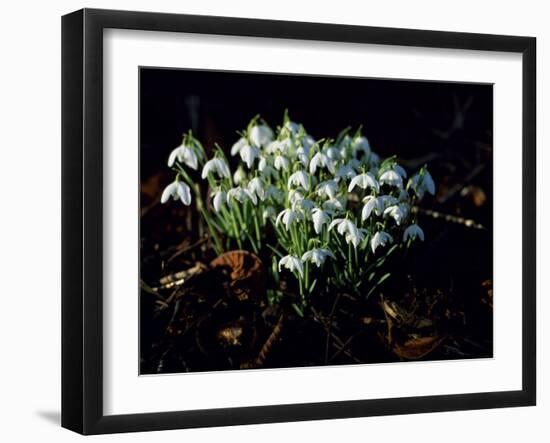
332, 153
372, 203
317, 256
381, 238
399, 169
266, 169
422, 182
218, 166
303, 155
388, 200
281, 162
256, 186
274, 193
320, 160
239, 175
299, 178
248, 154
178, 191
397, 212
260, 135
345, 171
334, 205
327, 188
361, 144
294, 196
346, 227
292, 127
307, 142
319, 218
219, 198
364, 181
292, 263
272, 147
412, 232
240, 144
241, 195
305, 205
285, 145
392, 178
288, 216
184, 154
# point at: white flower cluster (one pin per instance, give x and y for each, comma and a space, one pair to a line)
327, 199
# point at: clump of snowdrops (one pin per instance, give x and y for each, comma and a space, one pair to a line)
337, 211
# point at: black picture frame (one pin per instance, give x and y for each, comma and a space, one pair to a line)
82, 217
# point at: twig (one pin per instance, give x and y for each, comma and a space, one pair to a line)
343, 348
186, 249
266, 349
456, 188
469, 223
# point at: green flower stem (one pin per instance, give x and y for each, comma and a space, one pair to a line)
236, 231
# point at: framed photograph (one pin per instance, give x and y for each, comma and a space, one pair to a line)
269, 221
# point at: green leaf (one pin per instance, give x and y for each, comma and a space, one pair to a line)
298, 309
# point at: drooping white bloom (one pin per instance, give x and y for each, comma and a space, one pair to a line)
412, 232
317, 256
422, 182
294, 196
364, 181
281, 162
292, 263
397, 212
239, 175
219, 198
184, 154
218, 166
305, 204
307, 142
392, 178
241, 195
303, 155
299, 178
288, 216
319, 218
320, 160
327, 188
274, 193
271, 148
292, 127
248, 154
334, 205
361, 143
345, 171
260, 135
178, 191
388, 200
333, 154
372, 203
346, 227
266, 169
236, 148
400, 170
381, 238
257, 187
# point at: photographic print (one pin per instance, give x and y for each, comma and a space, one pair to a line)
294, 220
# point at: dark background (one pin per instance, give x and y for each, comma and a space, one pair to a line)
408, 118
